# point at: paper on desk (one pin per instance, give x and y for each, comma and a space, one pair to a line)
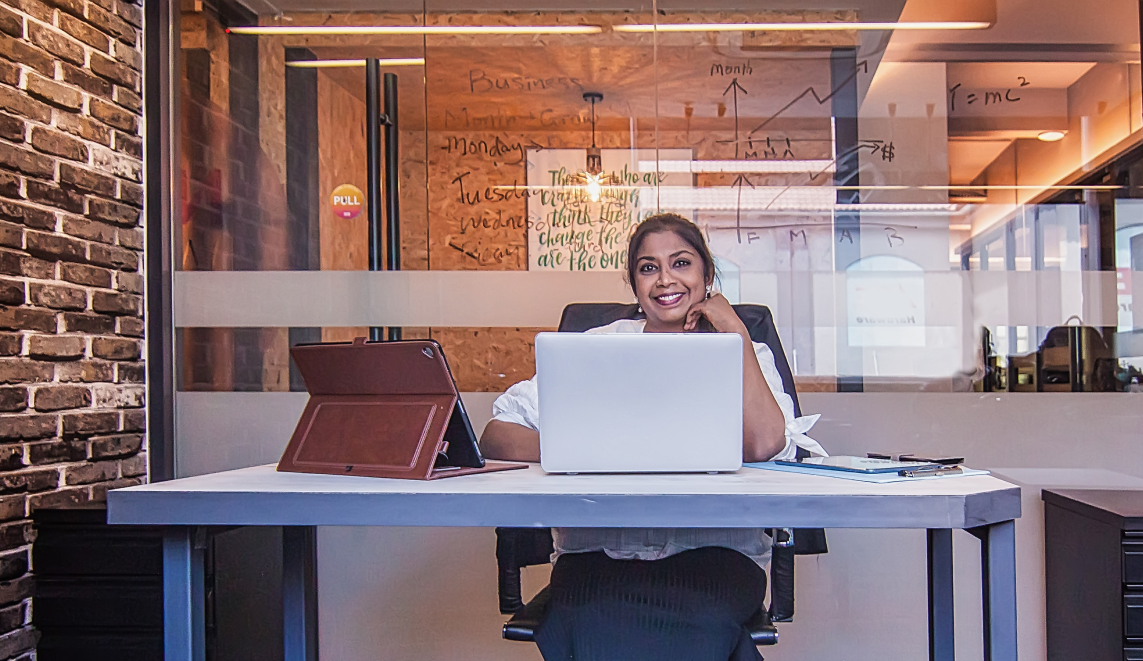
876, 478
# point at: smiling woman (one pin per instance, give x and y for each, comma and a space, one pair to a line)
702, 576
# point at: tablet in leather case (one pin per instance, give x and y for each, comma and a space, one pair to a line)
382, 409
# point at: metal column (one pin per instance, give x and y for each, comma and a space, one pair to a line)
375, 120
373, 167
392, 183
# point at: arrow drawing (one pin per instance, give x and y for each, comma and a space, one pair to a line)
862, 65
740, 181
736, 87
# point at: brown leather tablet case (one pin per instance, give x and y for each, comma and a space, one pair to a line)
382, 409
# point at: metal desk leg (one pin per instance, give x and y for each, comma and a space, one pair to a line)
998, 570
184, 623
941, 614
299, 593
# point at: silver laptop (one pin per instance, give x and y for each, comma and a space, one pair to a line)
640, 402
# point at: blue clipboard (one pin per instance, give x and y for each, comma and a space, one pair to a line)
862, 465
875, 478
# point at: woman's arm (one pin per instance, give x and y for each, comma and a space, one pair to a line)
763, 424
509, 441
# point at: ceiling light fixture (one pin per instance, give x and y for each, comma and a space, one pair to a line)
1022, 187
593, 178
334, 64
800, 27
757, 166
862, 188
778, 198
279, 30
1051, 136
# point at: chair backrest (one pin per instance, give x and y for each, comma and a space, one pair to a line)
522, 547
578, 317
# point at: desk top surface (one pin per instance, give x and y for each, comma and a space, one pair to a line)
530, 497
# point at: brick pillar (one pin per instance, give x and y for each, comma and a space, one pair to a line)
71, 307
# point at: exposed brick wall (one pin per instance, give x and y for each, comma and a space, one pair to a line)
71, 327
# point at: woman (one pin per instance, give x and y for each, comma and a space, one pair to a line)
663, 594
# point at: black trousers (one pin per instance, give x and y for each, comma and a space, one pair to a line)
687, 607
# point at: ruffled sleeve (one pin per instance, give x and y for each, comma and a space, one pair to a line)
796, 427
519, 404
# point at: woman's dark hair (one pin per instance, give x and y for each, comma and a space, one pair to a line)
683, 228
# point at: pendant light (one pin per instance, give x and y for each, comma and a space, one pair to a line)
593, 179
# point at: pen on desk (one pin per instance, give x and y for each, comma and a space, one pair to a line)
926, 472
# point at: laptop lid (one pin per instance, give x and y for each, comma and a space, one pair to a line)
640, 402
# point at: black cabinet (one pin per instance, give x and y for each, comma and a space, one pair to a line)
1093, 561
99, 588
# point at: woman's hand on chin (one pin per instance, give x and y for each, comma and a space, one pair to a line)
718, 312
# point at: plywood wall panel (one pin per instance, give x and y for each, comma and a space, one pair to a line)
414, 200
489, 359
341, 160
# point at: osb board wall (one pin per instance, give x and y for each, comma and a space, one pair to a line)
341, 160
481, 102
489, 359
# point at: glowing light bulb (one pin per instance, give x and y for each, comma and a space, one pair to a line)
594, 189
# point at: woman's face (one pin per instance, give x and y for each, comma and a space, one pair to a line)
669, 279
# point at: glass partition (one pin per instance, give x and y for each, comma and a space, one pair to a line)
927, 201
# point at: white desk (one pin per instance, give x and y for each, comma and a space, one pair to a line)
983, 505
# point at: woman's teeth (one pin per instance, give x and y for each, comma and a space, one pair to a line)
667, 299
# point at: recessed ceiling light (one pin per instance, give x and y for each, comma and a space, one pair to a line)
328, 64
1051, 136
414, 29
810, 27
752, 166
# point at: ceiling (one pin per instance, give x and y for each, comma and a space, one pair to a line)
968, 158
872, 10
999, 75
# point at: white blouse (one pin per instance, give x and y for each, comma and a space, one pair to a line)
520, 404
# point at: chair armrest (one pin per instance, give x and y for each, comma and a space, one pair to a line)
782, 584
508, 590
516, 548
522, 626
762, 630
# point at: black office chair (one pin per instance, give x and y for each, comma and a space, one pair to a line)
522, 547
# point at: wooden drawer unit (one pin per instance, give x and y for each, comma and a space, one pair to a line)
1093, 559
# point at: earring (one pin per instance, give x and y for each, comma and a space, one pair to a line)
709, 289
639, 309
